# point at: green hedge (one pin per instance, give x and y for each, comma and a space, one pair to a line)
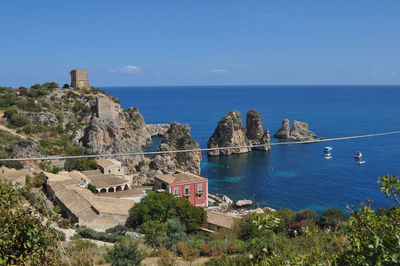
102, 236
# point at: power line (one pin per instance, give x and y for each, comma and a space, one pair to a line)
195, 150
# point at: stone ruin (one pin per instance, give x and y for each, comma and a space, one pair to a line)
79, 78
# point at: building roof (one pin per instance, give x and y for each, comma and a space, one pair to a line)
102, 180
180, 177
124, 193
105, 162
221, 220
91, 172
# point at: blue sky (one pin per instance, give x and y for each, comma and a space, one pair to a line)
204, 42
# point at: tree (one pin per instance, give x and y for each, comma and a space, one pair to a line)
24, 237
125, 253
306, 214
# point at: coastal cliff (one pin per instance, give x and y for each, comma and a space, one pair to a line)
298, 132
229, 132
177, 138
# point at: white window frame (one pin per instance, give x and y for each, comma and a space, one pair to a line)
176, 192
188, 190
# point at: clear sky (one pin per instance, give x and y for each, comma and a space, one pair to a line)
207, 42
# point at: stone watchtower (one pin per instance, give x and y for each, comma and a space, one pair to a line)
79, 78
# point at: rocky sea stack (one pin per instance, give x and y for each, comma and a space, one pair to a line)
177, 138
299, 132
254, 131
229, 132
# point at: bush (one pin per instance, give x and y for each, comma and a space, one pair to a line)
58, 234
306, 215
17, 120
175, 233
163, 206
92, 234
57, 209
92, 188
118, 229
124, 253
332, 218
154, 232
80, 164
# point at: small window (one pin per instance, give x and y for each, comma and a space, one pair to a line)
187, 193
199, 189
176, 192
109, 171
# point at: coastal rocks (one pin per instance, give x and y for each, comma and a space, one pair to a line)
243, 203
136, 126
264, 140
229, 132
227, 200
177, 138
284, 131
299, 132
254, 127
157, 130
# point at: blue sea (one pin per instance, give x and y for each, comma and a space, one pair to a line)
289, 176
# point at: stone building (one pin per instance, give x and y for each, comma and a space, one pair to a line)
79, 78
106, 182
111, 166
107, 110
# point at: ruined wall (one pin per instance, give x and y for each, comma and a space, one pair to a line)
107, 110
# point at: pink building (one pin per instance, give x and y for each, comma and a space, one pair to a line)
184, 184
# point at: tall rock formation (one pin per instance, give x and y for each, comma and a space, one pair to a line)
177, 138
299, 132
254, 131
120, 131
254, 127
284, 131
229, 132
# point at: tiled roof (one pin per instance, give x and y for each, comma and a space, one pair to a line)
104, 163
102, 180
123, 193
179, 177
91, 172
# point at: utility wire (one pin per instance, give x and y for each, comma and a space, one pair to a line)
195, 150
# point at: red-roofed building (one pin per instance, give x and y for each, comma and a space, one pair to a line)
183, 184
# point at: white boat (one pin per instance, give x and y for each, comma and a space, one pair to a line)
358, 155
328, 156
361, 162
328, 149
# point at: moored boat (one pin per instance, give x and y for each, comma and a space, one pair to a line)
328, 149
358, 155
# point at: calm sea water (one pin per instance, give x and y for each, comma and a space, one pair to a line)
289, 176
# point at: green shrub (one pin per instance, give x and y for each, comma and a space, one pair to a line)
125, 253
57, 209
175, 233
92, 188
80, 164
332, 218
17, 121
306, 215
154, 232
118, 229
102, 236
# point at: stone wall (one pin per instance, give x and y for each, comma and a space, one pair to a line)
107, 110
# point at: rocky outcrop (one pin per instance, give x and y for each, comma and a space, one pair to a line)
24, 149
254, 131
157, 130
243, 203
45, 118
254, 127
177, 138
136, 126
284, 131
126, 133
299, 132
264, 140
229, 132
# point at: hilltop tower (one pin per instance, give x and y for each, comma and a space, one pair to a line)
79, 78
